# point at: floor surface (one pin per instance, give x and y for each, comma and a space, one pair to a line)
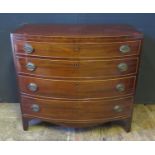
143, 127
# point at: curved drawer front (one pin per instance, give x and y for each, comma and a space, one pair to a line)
77, 110
77, 69
77, 50
77, 89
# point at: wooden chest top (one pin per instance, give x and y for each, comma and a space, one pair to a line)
102, 32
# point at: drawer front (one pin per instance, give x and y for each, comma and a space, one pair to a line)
77, 110
77, 69
77, 50
76, 89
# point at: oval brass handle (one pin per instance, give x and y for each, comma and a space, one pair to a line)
124, 49
117, 108
35, 108
30, 66
28, 48
32, 87
122, 67
120, 87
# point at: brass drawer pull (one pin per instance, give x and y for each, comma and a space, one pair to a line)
122, 67
32, 87
124, 49
120, 87
28, 48
35, 108
30, 66
118, 108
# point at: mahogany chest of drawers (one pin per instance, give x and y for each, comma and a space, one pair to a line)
77, 75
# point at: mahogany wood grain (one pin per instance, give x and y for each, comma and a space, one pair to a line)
77, 111
77, 33
77, 68
77, 89
76, 72
70, 40
82, 30
126, 122
78, 50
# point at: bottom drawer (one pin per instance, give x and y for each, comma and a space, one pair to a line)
88, 110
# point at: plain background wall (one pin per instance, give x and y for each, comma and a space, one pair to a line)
145, 22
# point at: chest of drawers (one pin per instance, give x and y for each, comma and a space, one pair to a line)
77, 75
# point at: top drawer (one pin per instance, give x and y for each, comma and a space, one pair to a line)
80, 50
